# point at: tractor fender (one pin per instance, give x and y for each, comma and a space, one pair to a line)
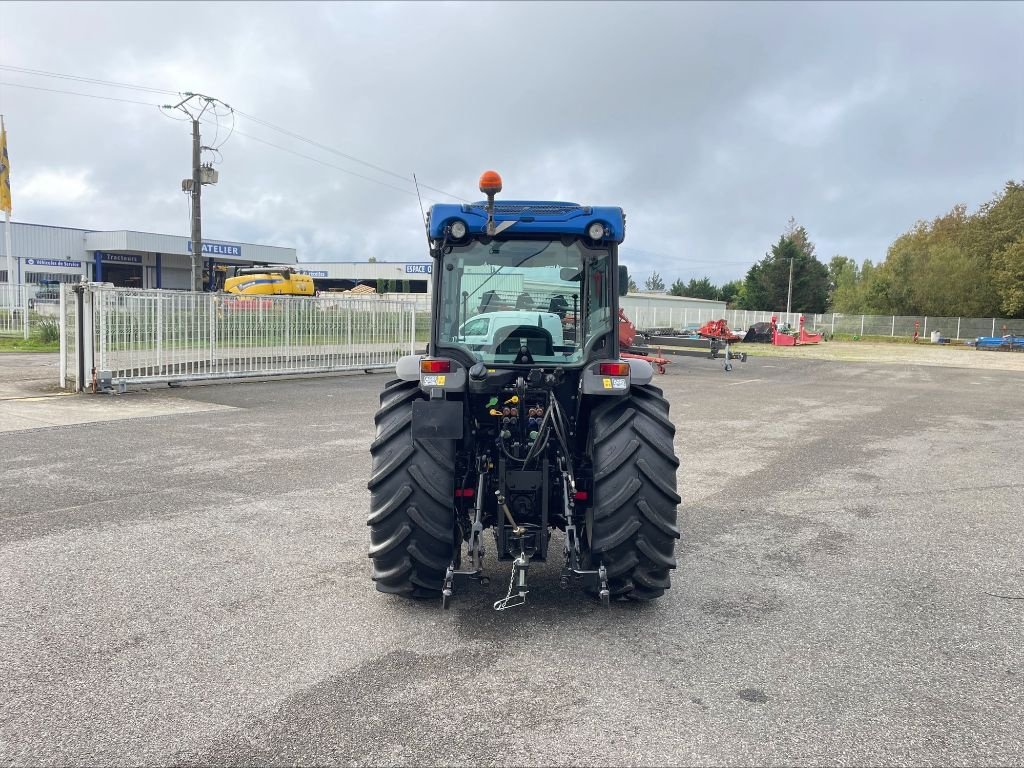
640, 371
408, 368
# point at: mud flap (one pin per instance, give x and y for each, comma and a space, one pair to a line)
437, 419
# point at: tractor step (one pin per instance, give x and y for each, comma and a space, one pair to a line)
453, 577
595, 580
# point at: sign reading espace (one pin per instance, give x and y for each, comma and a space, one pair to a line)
418, 269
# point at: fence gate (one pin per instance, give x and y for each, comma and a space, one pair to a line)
114, 337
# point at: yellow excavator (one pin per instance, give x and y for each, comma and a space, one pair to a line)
270, 281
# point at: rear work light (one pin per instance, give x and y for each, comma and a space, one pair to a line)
435, 366
614, 369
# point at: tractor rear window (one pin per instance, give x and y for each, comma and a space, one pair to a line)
550, 296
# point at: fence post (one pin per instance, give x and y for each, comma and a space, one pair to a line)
893, 334
925, 332
993, 326
958, 329
833, 323
63, 325
88, 338
212, 326
412, 330
24, 311
288, 329
862, 326
159, 334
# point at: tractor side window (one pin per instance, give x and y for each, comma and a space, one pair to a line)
598, 311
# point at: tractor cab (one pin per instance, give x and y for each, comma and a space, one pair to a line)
529, 259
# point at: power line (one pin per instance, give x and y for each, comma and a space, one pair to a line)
324, 162
338, 152
79, 93
257, 120
79, 78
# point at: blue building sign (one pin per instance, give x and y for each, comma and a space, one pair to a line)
417, 269
119, 258
52, 263
218, 249
316, 273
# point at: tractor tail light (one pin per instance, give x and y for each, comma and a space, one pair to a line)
582, 495
464, 493
435, 366
614, 369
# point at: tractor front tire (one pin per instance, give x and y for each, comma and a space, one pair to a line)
634, 531
412, 489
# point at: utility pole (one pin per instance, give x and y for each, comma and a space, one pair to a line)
195, 105
197, 209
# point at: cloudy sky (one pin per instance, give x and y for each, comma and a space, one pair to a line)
710, 124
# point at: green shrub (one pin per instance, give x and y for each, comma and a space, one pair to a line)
47, 331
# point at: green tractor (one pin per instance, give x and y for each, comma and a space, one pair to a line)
522, 417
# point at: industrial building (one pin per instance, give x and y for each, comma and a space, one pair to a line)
46, 254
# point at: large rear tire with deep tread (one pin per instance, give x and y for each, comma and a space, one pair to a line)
634, 503
412, 487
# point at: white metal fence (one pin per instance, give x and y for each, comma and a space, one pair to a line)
24, 307
117, 336
856, 325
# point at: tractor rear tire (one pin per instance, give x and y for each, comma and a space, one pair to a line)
412, 512
634, 504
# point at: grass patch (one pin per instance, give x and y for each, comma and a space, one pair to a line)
876, 339
8, 344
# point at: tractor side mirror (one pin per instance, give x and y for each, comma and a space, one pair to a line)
623, 280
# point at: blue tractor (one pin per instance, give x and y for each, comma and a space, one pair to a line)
522, 417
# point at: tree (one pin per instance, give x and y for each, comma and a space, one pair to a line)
767, 282
654, 282
1008, 274
633, 288
958, 264
799, 236
730, 293
678, 288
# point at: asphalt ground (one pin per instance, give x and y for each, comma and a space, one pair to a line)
193, 588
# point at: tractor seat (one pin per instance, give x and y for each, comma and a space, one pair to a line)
537, 340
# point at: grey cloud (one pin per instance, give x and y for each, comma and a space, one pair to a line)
711, 124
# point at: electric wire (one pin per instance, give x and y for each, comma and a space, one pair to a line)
253, 118
325, 163
79, 93
338, 152
82, 79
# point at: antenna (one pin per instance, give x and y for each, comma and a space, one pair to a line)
423, 214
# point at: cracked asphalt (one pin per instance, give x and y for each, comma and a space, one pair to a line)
189, 585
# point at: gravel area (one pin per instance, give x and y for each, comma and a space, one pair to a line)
192, 587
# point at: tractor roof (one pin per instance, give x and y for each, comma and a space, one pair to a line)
531, 217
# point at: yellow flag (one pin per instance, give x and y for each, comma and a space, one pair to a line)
5, 172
